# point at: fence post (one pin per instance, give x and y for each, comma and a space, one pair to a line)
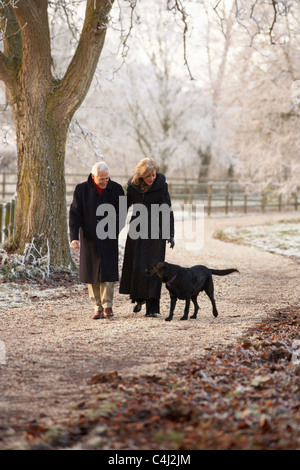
185, 192
263, 202
296, 202
279, 202
7, 219
191, 193
245, 204
209, 195
12, 217
1, 220
3, 185
226, 198
245, 201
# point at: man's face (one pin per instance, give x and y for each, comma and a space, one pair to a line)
101, 179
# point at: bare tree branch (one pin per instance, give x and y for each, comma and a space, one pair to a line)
124, 42
177, 7
85, 58
262, 17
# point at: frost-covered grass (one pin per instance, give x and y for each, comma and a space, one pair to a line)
282, 238
16, 267
16, 294
27, 277
30, 264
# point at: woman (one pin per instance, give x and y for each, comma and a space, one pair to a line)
151, 224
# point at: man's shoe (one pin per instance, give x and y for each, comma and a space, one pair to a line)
108, 312
97, 315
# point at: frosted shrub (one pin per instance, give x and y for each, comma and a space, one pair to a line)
31, 263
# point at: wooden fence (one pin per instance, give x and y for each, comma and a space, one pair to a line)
7, 219
216, 197
231, 197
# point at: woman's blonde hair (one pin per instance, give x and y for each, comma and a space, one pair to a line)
144, 169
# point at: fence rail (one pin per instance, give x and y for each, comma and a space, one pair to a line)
215, 196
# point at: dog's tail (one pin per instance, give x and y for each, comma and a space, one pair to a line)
223, 272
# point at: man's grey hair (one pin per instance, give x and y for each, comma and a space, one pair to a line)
100, 166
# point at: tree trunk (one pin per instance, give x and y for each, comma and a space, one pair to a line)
42, 108
205, 160
41, 213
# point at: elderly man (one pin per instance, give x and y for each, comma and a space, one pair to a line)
98, 265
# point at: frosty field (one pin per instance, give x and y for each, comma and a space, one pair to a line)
282, 238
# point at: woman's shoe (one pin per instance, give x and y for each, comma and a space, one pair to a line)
152, 307
138, 307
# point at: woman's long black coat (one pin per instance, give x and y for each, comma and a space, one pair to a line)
95, 254
142, 253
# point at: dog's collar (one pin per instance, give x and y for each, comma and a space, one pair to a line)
171, 280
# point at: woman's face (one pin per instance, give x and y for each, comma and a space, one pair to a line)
149, 180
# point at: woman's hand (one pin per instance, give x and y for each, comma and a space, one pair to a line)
172, 242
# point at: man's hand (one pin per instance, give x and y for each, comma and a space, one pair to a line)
75, 244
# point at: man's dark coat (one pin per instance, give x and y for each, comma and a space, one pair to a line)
95, 254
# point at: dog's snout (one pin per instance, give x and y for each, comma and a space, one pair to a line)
150, 271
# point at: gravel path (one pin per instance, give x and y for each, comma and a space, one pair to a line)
53, 348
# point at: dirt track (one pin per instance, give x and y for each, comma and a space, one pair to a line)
53, 347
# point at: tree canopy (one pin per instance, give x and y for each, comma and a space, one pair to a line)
251, 54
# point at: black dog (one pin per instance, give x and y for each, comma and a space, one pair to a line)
186, 283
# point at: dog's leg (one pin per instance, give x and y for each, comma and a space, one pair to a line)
186, 309
209, 289
172, 307
194, 299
